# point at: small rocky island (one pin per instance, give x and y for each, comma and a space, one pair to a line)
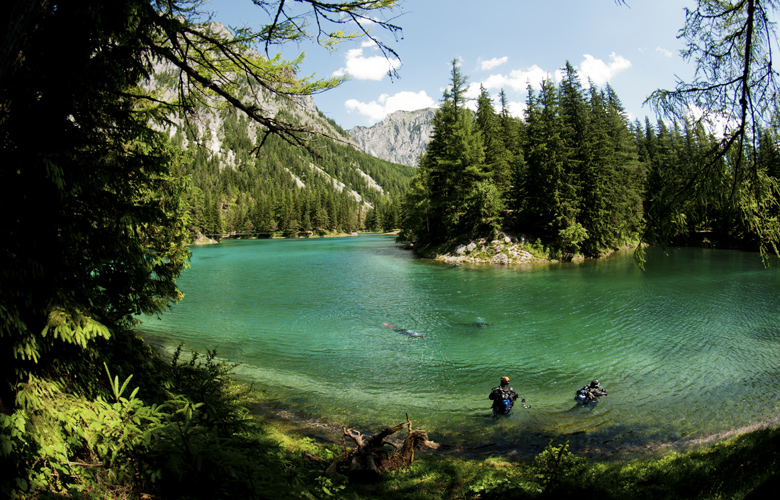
502, 249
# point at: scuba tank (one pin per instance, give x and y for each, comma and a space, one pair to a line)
583, 395
504, 405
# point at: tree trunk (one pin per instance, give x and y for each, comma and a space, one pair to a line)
370, 458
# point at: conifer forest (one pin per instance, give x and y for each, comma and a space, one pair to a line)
574, 173
130, 129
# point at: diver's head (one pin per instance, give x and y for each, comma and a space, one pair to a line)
595, 383
504, 380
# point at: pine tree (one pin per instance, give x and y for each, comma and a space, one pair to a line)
575, 129
549, 208
510, 128
416, 210
631, 173
612, 182
497, 158
598, 180
732, 45
451, 167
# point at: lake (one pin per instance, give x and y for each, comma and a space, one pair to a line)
688, 348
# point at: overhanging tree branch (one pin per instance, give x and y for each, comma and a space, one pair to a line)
733, 92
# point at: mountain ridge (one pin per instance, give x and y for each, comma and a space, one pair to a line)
238, 187
401, 137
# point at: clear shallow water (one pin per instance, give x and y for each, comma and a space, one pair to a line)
688, 348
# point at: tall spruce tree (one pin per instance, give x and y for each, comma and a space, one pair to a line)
598, 180
550, 206
450, 170
630, 175
510, 127
498, 159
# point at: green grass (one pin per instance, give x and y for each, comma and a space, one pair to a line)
745, 466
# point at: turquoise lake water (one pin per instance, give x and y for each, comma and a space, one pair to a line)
689, 348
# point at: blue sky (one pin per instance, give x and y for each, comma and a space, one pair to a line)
499, 43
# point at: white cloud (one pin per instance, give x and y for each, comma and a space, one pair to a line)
664, 52
600, 72
472, 91
716, 123
516, 108
366, 68
517, 79
492, 63
597, 70
386, 104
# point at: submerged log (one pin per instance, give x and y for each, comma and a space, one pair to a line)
370, 457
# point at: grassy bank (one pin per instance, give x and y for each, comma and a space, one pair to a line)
183, 428
745, 466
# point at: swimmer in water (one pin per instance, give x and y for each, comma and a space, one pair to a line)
405, 331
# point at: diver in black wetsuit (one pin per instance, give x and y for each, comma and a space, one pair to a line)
503, 397
596, 389
590, 393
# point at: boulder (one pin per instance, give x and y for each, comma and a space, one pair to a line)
500, 259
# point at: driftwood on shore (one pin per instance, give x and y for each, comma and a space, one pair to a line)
371, 457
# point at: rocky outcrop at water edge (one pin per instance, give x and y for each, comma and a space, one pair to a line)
504, 250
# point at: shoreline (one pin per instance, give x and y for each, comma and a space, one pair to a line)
581, 444
201, 239
506, 249
500, 249
595, 447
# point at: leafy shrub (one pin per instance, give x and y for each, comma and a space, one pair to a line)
536, 248
200, 442
557, 468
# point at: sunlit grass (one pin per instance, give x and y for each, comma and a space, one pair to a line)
745, 466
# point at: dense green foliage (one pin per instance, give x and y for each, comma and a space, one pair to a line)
578, 176
91, 205
96, 209
240, 189
177, 430
97, 205
733, 91
567, 174
673, 156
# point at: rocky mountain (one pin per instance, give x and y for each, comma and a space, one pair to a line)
237, 188
400, 138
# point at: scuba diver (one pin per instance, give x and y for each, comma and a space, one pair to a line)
503, 397
590, 393
405, 331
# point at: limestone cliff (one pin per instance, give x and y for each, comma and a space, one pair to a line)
400, 138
